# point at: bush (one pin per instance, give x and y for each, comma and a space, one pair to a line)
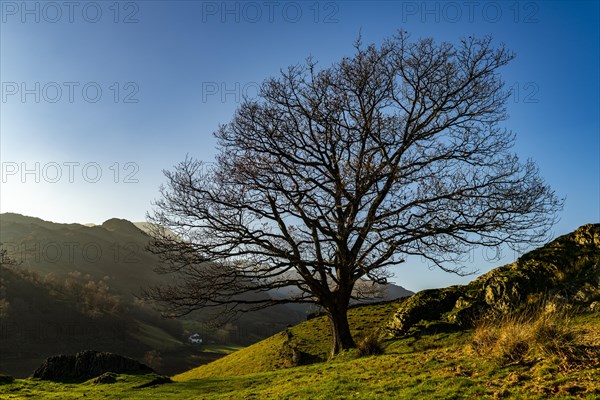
370, 345
512, 338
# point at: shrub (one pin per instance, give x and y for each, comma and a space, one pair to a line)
370, 344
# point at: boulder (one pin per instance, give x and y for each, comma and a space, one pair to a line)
106, 378
566, 269
427, 304
86, 365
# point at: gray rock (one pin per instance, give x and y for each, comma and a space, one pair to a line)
86, 365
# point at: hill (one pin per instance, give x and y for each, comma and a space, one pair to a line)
42, 317
113, 251
545, 344
568, 267
435, 364
74, 288
87, 278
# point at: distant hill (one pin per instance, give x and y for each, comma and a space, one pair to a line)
73, 288
144, 226
391, 291
108, 261
379, 293
113, 252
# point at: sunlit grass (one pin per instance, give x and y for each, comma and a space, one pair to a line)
438, 364
312, 338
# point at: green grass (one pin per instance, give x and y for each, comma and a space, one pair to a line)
220, 348
313, 338
156, 338
437, 363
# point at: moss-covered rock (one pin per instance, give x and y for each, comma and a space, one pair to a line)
427, 304
86, 365
567, 268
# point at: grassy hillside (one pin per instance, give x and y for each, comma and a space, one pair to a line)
311, 339
41, 318
435, 364
74, 289
549, 347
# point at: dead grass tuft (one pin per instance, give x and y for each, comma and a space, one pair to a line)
370, 344
515, 338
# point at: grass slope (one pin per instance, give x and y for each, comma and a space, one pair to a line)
436, 365
312, 338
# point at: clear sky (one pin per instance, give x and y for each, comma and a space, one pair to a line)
98, 97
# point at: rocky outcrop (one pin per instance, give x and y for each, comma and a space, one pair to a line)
426, 304
566, 270
87, 365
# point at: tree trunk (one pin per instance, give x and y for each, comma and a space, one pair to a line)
340, 329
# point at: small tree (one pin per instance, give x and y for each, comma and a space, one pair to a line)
332, 175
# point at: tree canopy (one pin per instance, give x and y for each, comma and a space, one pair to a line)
332, 175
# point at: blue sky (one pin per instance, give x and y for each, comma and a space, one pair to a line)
98, 97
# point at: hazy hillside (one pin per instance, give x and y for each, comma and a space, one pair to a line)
40, 319
75, 285
73, 288
113, 251
115, 254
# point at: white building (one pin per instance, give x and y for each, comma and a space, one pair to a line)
195, 338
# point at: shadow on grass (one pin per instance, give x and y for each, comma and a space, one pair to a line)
433, 328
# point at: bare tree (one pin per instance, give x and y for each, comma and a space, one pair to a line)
334, 174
